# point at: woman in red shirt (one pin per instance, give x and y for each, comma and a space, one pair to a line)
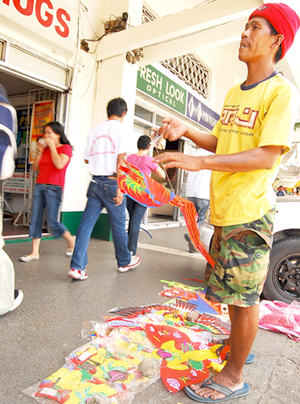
54, 152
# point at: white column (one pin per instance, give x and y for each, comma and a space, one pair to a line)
117, 77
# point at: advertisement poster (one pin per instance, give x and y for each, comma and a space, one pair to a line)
42, 113
17, 184
23, 122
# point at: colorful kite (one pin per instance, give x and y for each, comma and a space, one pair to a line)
184, 361
148, 192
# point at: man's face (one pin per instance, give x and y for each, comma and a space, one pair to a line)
256, 40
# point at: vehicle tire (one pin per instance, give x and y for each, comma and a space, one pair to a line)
283, 279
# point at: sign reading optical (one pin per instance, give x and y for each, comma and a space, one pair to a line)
157, 85
52, 19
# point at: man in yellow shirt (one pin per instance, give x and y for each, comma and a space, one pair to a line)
249, 140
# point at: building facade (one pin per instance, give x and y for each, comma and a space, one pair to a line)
73, 57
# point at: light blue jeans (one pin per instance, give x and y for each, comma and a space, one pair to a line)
100, 195
201, 206
50, 196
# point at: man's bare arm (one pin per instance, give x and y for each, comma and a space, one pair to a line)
249, 160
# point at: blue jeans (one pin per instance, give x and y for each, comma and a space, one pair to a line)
50, 196
136, 212
100, 195
201, 206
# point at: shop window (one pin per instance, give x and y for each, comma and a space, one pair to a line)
158, 120
141, 129
145, 119
143, 113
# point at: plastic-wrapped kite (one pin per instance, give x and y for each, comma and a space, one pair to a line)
281, 317
106, 370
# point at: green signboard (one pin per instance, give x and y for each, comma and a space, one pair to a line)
157, 85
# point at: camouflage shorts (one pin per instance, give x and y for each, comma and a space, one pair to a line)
242, 254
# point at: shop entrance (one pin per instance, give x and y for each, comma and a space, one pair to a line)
165, 215
17, 191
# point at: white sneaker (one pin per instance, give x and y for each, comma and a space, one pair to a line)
18, 299
135, 261
78, 275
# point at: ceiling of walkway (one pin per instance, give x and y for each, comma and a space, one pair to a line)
290, 66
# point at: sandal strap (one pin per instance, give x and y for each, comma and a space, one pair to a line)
217, 387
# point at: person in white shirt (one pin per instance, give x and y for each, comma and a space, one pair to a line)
197, 191
105, 151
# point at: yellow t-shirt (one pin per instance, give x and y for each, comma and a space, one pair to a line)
251, 117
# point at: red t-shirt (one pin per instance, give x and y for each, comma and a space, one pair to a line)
48, 173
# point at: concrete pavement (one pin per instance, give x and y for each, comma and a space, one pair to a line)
46, 327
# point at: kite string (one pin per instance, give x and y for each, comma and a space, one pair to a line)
154, 144
167, 176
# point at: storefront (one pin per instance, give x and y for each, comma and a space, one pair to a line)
160, 94
28, 92
17, 191
37, 68
42, 60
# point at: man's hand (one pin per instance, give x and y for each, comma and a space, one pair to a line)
189, 163
119, 198
172, 129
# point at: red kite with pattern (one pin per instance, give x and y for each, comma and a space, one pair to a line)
148, 192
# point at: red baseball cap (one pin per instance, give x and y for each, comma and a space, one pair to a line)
284, 20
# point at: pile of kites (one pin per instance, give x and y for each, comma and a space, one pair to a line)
131, 349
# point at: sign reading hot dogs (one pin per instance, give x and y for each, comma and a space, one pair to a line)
55, 20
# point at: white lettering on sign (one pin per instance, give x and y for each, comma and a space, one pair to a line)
175, 93
209, 119
53, 15
151, 77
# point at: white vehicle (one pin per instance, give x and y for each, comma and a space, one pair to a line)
283, 279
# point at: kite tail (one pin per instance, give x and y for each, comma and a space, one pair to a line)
189, 212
